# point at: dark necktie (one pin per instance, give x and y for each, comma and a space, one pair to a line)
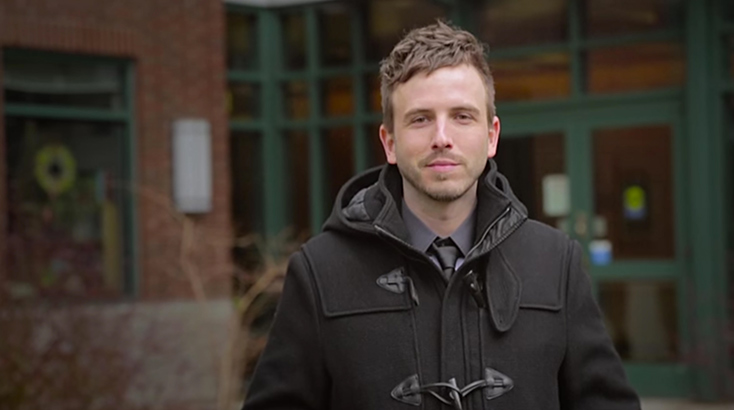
446, 252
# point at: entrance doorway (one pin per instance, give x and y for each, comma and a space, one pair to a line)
610, 176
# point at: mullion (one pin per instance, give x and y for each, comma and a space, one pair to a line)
316, 152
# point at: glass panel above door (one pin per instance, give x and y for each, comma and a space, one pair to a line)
633, 191
535, 166
241, 41
523, 22
536, 77
639, 67
620, 17
334, 26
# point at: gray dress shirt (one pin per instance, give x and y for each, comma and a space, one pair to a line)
422, 236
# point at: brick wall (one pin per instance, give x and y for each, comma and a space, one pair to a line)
178, 52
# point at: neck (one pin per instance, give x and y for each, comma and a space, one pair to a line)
443, 218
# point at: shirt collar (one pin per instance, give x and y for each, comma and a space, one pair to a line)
422, 236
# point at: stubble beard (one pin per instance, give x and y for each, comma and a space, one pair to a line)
438, 194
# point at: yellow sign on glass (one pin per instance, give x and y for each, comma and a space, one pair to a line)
635, 202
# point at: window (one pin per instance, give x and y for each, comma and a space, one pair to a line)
68, 182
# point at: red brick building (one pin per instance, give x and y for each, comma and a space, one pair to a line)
170, 56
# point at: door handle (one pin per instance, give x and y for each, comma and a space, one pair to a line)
581, 225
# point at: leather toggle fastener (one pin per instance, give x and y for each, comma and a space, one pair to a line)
395, 280
493, 385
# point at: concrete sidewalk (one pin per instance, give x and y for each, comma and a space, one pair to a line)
675, 404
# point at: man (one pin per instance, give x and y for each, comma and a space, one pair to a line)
429, 286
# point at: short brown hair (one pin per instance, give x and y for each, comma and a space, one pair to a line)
425, 50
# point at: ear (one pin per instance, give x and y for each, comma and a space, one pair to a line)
494, 137
388, 144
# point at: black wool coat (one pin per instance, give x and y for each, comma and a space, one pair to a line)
366, 321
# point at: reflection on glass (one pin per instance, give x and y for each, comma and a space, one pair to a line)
296, 100
241, 41
294, 39
388, 20
36, 80
538, 77
523, 22
66, 202
339, 146
338, 97
377, 153
641, 319
298, 189
633, 190
247, 189
374, 102
535, 166
619, 17
635, 68
334, 23
244, 101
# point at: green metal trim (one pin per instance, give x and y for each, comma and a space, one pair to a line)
727, 27
64, 112
639, 270
49, 56
727, 87
660, 380
132, 279
244, 76
316, 154
256, 126
575, 31
707, 235
273, 150
605, 111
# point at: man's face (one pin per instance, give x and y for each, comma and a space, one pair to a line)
441, 136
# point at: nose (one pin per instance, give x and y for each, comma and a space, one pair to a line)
441, 136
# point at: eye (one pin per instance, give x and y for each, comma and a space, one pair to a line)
464, 117
419, 119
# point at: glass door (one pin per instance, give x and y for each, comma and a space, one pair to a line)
610, 176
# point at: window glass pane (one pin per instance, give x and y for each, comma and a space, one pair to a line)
538, 77
730, 56
635, 68
617, 17
296, 100
729, 206
335, 26
67, 195
535, 166
388, 20
523, 22
633, 190
297, 192
339, 155
247, 178
338, 97
641, 317
377, 152
294, 38
243, 101
241, 41
87, 84
374, 103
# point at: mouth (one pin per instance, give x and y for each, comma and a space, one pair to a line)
442, 165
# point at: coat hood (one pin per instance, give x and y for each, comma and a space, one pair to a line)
374, 198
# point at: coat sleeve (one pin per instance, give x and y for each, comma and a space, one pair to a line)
290, 373
591, 376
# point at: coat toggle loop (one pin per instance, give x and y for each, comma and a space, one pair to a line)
493, 385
